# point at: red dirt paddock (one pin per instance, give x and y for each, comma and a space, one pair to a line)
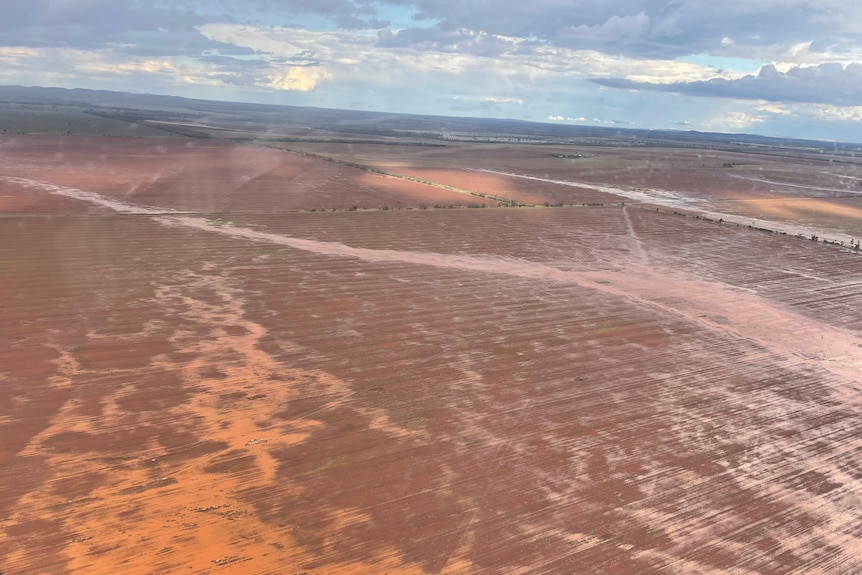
574, 390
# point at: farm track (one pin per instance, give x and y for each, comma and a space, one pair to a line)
428, 391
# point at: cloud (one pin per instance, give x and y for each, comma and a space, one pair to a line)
641, 28
484, 103
630, 33
635, 28
736, 121
515, 69
614, 29
143, 28
830, 83
504, 100
557, 118
230, 62
345, 14
776, 109
462, 40
837, 114
300, 79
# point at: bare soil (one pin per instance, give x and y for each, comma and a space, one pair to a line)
196, 377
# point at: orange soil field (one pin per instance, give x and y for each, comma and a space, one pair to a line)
208, 175
814, 189
241, 387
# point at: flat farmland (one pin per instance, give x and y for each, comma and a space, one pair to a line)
799, 187
211, 175
27, 119
198, 374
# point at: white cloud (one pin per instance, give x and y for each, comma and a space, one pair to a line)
732, 121
347, 54
503, 100
16, 54
581, 119
770, 108
103, 66
836, 113
300, 79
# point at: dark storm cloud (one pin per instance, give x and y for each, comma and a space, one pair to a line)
832, 84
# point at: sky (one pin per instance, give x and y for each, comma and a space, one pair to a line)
788, 68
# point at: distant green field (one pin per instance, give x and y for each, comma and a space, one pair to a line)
16, 119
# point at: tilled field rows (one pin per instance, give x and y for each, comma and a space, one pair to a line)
185, 398
822, 281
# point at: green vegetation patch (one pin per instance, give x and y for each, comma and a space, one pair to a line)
63, 121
